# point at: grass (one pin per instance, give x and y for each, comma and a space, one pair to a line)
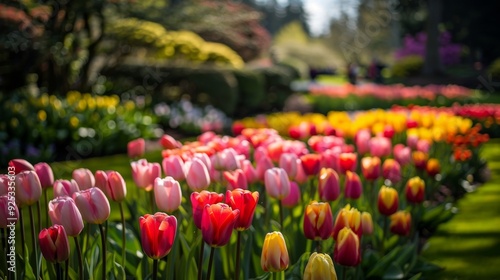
468, 247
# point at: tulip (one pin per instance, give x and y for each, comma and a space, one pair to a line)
264, 163
28, 188
54, 244
249, 171
8, 211
93, 205
157, 234
362, 140
367, 223
402, 154
288, 162
320, 267
293, 198
145, 173
353, 186
101, 180
205, 159
348, 161
168, 194
136, 148
348, 217
277, 183
20, 165
388, 201
433, 167
389, 131
420, 159
115, 188
274, 256
391, 170
423, 145
415, 190
301, 176
318, 221
217, 224
4, 183
347, 249
226, 160
173, 166
330, 158
63, 211
310, 163
400, 223
370, 166
168, 142
197, 176
380, 147
236, 179
65, 188
328, 187
84, 178
45, 174
198, 202
411, 141
245, 201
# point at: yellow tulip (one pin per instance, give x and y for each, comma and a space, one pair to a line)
320, 267
274, 256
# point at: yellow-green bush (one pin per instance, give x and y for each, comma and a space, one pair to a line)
408, 66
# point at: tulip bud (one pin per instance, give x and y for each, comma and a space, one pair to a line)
402, 154
63, 211
54, 244
353, 187
370, 166
115, 188
310, 163
168, 194
301, 176
45, 174
4, 183
347, 249
249, 171
320, 267
400, 223
415, 190
388, 201
433, 167
101, 180
84, 178
423, 145
274, 256
264, 163
236, 179
65, 188
367, 223
330, 159
21, 165
362, 140
168, 142
173, 166
197, 176
245, 201
420, 159
348, 161
28, 188
8, 211
288, 162
380, 147
277, 183
198, 202
157, 234
318, 221
328, 187
93, 205
145, 173
391, 170
136, 148
348, 217
217, 224
293, 198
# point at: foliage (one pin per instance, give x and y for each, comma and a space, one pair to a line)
292, 33
494, 70
408, 66
416, 46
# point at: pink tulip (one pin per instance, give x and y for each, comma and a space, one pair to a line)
277, 183
353, 187
205, 159
423, 145
402, 154
4, 183
236, 179
65, 188
93, 205
380, 146
84, 178
101, 180
362, 140
8, 211
249, 171
63, 211
411, 141
168, 194
264, 164
136, 148
45, 174
28, 188
288, 162
301, 176
226, 160
293, 198
174, 166
330, 158
115, 189
21, 165
144, 173
168, 142
197, 176
391, 170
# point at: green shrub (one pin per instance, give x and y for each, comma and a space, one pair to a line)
408, 66
251, 88
494, 70
277, 84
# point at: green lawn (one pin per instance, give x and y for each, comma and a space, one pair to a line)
468, 246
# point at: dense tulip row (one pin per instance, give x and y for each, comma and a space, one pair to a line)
325, 205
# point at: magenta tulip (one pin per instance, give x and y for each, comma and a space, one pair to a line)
45, 174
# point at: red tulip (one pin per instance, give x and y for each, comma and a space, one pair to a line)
310, 163
168, 194
236, 179
45, 174
63, 211
28, 188
157, 234
246, 202
277, 183
173, 166
20, 165
347, 249
54, 243
370, 166
415, 190
348, 161
353, 186
293, 198
388, 201
84, 178
318, 221
144, 173
9, 213
348, 217
65, 188
136, 148
420, 159
400, 223
389, 131
391, 170
197, 176
198, 202
168, 142
328, 187
93, 205
217, 224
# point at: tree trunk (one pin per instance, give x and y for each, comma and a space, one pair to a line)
432, 62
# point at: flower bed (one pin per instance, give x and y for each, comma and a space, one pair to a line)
356, 202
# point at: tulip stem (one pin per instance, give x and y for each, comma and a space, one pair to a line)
152, 201
384, 234
210, 261
66, 268
155, 269
103, 239
80, 260
58, 271
200, 262
23, 240
238, 254
123, 234
38, 208
33, 238
281, 213
344, 273
46, 201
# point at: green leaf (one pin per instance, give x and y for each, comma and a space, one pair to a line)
264, 276
384, 263
416, 276
394, 272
